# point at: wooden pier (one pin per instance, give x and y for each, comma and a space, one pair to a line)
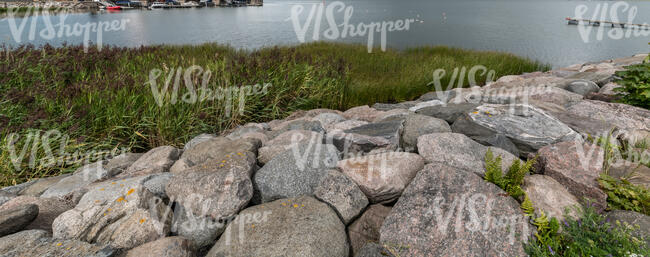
596, 23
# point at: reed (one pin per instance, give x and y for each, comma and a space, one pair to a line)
101, 99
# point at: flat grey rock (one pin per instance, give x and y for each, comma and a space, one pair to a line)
82, 177
14, 219
295, 172
365, 230
48, 210
460, 151
301, 227
527, 127
449, 112
368, 138
342, 194
416, 125
39, 243
41, 185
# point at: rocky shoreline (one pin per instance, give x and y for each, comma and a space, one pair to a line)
400, 179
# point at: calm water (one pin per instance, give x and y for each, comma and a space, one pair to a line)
528, 28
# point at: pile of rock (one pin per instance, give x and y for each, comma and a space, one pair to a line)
389, 180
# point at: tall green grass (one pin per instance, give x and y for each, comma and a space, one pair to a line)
102, 101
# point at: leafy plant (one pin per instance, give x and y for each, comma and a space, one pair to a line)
546, 229
621, 194
590, 235
510, 182
635, 85
527, 206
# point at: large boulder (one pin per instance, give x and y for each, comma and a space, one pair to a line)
340, 192
364, 113
600, 78
17, 218
41, 185
210, 192
156, 160
344, 125
582, 87
214, 149
598, 118
295, 172
389, 107
366, 228
82, 177
288, 227
120, 213
369, 138
48, 210
328, 119
447, 211
382, 177
299, 124
197, 140
201, 231
448, 112
38, 243
551, 197
285, 141
432, 103
165, 247
15, 189
395, 114
217, 190
577, 166
527, 127
121, 163
416, 125
459, 151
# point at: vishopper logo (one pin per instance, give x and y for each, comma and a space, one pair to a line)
344, 29
473, 212
191, 77
306, 152
600, 14
42, 155
56, 26
608, 144
204, 221
456, 92
457, 79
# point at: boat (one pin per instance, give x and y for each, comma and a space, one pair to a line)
158, 5
113, 8
190, 4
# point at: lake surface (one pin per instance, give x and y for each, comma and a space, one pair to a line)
535, 29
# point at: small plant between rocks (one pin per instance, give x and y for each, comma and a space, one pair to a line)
591, 235
635, 82
623, 195
510, 182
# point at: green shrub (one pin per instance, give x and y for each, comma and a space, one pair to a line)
623, 195
510, 182
635, 82
590, 235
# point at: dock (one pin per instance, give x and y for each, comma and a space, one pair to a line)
596, 23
